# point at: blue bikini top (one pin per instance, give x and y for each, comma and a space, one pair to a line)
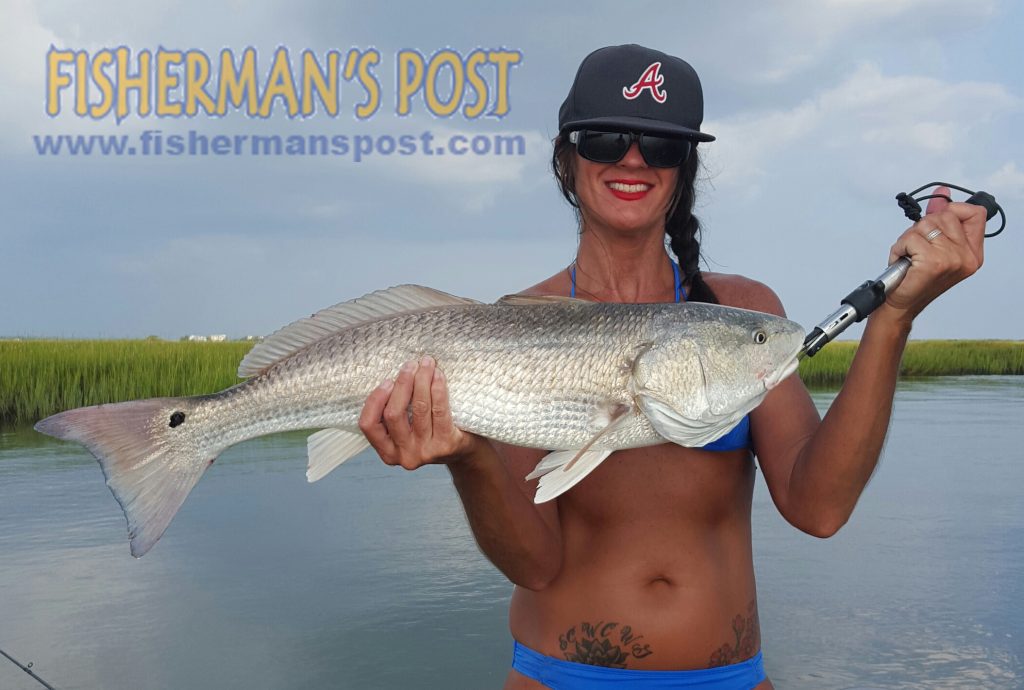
739, 436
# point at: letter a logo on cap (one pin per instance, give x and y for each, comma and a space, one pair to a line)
650, 79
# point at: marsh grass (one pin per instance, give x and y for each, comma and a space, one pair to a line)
41, 377
922, 358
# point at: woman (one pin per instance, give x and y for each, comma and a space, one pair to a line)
642, 574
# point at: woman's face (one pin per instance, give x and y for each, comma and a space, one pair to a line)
626, 196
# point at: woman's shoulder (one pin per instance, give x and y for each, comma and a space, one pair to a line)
734, 290
557, 284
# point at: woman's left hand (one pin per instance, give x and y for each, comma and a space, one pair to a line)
953, 253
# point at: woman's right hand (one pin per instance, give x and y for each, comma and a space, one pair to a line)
408, 421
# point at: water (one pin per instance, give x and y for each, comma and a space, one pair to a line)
923, 588
370, 578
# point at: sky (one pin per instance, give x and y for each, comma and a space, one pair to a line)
823, 111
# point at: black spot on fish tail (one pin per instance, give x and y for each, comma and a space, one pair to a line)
177, 418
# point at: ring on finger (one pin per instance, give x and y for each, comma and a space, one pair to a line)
933, 234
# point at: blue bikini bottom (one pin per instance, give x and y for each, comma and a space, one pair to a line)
568, 675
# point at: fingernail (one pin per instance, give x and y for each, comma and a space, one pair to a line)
386, 385
426, 361
409, 366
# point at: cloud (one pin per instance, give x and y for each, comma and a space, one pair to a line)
868, 115
804, 33
473, 182
23, 45
22, 41
1009, 180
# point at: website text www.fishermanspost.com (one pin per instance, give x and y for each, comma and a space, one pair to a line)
190, 84
357, 147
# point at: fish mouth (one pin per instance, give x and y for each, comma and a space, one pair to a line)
779, 375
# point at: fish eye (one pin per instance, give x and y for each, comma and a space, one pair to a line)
760, 337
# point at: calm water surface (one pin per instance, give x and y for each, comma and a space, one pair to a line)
371, 579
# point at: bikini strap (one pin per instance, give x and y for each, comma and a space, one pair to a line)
678, 283
680, 290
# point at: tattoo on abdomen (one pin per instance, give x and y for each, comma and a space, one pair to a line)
747, 634
603, 644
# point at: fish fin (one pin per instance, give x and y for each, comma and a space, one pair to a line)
552, 461
145, 470
521, 300
573, 467
372, 307
561, 470
329, 448
678, 428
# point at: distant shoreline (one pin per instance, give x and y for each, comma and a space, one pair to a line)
41, 377
922, 358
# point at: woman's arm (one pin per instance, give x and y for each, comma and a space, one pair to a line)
817, 470
522, 539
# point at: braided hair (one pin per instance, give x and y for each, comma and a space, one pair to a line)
681, 227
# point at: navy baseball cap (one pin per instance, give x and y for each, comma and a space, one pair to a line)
637, 89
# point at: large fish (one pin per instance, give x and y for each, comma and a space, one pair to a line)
581, 379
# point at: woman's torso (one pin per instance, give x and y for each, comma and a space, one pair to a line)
657, 571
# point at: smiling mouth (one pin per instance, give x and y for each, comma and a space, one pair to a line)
629, 187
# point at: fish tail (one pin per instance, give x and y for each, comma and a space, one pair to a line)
149, 453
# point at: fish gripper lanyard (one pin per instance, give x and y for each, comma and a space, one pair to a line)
871, 294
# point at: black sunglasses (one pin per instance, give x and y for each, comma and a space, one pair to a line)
610, 147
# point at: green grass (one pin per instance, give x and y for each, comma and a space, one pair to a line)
41, 377
922, 358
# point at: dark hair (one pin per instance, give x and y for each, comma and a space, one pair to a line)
681, 226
